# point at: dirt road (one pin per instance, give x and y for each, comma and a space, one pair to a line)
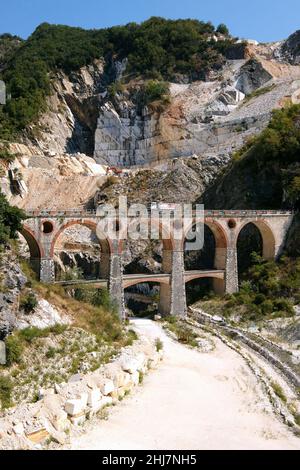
193, 401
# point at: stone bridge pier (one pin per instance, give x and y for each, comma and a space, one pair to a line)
42, 230
172, 300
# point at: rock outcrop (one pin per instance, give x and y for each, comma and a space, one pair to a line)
12, 282
60, 410
252, 76
202, 118
290, 49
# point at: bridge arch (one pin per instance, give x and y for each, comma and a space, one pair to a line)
198, 285
165, 237
216, 228
220, 240
211, 258
35, 248
190, 276
100, 264
136, 301
105, 244
133, 282
267, 236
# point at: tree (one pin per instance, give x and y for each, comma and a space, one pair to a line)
222, 29
10, 220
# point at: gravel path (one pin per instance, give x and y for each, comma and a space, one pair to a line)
193, 401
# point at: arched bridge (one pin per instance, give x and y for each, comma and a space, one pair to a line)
43, 228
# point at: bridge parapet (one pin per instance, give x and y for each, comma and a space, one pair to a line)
31, 213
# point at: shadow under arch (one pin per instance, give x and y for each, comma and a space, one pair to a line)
36, 250
144, 304
220, 241
196, 287
267, 236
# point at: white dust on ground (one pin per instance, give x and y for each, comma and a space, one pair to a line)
193, 401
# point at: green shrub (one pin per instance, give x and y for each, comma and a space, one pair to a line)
297, 419
102, 298
154, 90
79, 294
6, 155
29, 303
259, 299
131, 337
14, 349
183, 332
159, 344
10, 219
141, 377
57, 329
222, 29
6, 387
267, 306
32, 332
271, 289
51, 352
72, 274
284, 305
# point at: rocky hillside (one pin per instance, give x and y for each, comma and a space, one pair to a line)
175, 116
98, 104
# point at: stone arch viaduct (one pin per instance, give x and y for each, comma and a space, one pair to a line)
42, 228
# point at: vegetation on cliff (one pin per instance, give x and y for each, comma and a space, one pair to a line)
10, 220
269, 290
266, 171
265, 174
8, 45
156, 48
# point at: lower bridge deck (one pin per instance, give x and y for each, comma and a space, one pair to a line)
132, 279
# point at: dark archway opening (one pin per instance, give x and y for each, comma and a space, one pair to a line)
47, 227
204, 258
29, 251
198, 289
141, 300
195, 260
249, 241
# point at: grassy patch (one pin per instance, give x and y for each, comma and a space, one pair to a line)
259, 92
141, 377
297, 419
184, 333
14, 349
29, 302
6, 387
279, 391
159, 344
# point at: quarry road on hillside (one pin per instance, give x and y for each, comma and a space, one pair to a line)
193, 400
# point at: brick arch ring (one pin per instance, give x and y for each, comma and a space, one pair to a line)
106, 244
218, 231
35, 248
267, 235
